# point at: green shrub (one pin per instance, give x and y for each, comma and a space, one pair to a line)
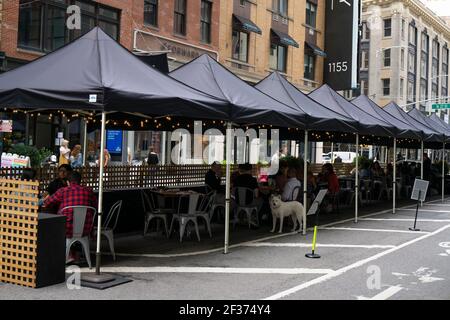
36, 155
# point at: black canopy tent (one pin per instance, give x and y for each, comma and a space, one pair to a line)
444, 126
85, 75
214, 79
367, 124
318, 116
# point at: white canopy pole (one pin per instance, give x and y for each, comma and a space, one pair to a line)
421, 160
305, 179
100, 193
443, 170
394, 178
357, 178
227, 187
421, 165
84, 142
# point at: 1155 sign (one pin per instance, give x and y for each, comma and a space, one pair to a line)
341, 44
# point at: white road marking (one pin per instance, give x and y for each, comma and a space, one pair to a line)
322, 245
409, 220
424, 274
427, 210
374, 230
386, 294
211, 270
352, 266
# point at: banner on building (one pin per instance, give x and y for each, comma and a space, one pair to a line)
341, 44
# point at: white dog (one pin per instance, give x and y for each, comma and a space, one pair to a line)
282, 209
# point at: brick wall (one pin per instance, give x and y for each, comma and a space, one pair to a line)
132, 17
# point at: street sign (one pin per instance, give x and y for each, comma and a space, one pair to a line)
419, 190
436, 106
341, 44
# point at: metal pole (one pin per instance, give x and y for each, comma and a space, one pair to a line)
357, 178
84, 142
421, 165
421, 160
305, 180
443, 170
227, 187
332, 153
100, 194
394, 178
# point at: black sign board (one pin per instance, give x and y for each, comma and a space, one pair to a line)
341, 44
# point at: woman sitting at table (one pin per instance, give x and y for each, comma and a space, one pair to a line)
376, 170
290, 185
281, 177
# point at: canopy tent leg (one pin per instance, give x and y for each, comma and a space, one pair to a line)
84, 141
305, 180
357, 178
443, 170
97, 277
421, 165
227, 188
394, 177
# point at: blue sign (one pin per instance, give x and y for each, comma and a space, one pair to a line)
114, 141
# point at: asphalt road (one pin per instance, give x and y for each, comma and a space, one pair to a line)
377, 258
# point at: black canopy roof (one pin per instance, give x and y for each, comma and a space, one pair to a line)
368, 124
441, 123
402, 129
249, 105
318, 117
94, 72
419, 116
427, 133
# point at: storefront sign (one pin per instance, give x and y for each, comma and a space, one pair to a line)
114, 141
178, 50
341, 44
6, 125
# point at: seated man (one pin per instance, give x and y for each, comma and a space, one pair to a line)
291, 184
73, 195
64, 172
213, 177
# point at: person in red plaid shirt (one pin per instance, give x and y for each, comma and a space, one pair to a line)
73, 195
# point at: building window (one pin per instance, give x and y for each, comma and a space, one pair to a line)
310, 62
365, 59
411, 91
402, 87
411, 62
278, 57
42, 24
179, 19
423, 91
403, 29
386, 87
444, 73
242, 2
365, 87
387, 27
151, 12
311, 14
412, 35
280, 7
240, 46
365, 32
387, 57
402, 59
205, 23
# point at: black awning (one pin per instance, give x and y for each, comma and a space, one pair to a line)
317, 51
285, 39
246, 24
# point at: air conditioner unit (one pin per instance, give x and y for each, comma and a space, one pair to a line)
275, 17
284, 20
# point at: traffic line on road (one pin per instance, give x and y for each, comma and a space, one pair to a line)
406, 220
374, 230
352, 266
427, 210
322, 245
211, 270
384, 295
